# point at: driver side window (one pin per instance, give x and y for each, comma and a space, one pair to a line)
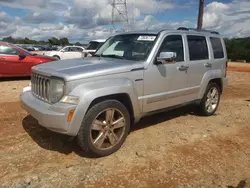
173, 43
8, 50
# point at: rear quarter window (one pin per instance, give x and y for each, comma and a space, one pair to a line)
217, 48
198, 49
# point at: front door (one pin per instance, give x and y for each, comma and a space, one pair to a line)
165, 84
10, 62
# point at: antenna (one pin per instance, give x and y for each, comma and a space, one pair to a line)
119, 12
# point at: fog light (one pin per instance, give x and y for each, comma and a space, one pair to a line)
70, 99
70, 115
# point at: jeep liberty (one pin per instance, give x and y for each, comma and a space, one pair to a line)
132, 75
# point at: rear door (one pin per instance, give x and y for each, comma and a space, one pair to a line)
10, 62
78, 52
199, 62
218, 55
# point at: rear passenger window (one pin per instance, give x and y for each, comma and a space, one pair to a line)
173, 43
197, 48
217, 48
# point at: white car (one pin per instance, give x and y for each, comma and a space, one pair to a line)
93, 46
67, 52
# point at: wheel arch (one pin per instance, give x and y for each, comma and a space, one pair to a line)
93, 93
215, 76
217, 81
123, 98
56, 55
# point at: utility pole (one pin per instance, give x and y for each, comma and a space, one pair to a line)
200, 16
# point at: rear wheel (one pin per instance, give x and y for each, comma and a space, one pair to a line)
104, 128
56, 56
210, 100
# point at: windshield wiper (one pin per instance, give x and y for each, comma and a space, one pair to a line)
113, 56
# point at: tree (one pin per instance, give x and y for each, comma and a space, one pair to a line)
78, 44
41, 42
9, 39
64, 41
238, 49
54, 41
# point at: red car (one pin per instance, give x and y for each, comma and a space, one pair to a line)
15, 61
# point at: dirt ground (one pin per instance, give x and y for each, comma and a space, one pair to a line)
171, 149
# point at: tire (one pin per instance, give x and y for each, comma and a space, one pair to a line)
87, 136
206, 110
57, 57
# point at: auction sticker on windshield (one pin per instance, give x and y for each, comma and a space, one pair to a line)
147, 38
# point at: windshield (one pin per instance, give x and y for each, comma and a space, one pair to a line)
59, 48
93, 45
130, 47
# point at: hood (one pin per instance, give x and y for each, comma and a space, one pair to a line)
43, 57
85, 68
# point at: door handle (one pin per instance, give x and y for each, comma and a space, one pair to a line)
183, 68
208, 65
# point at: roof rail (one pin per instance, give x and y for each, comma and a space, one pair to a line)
183, 28
198, 30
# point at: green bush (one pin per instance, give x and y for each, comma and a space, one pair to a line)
238, 48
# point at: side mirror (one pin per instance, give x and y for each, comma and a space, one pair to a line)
167, 57
22, 56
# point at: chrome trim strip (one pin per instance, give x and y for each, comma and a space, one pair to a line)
40, 86
169, 95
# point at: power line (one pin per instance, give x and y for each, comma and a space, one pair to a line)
119, 12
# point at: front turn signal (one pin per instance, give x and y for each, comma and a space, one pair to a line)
70, 115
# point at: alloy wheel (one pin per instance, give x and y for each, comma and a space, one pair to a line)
212, 99
107, 129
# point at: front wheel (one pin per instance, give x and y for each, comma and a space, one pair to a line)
210, 100
104, 128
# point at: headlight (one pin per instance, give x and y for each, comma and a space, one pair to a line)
56, 89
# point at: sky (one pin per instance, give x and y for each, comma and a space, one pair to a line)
84, 20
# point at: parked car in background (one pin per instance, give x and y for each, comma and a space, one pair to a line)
132, 75
49, 48
16, 61
93, 46
39, 48
28, 48
67, 52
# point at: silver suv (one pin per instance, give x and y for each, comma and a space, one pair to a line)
132, 75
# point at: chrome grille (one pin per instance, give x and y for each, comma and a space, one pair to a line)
40, 86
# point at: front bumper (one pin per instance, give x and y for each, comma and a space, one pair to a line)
53, 117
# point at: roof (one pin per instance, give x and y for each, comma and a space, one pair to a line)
179, 30
73, 46
153, 32
98, 40
1, 42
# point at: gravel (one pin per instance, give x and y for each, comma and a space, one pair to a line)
171, 149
